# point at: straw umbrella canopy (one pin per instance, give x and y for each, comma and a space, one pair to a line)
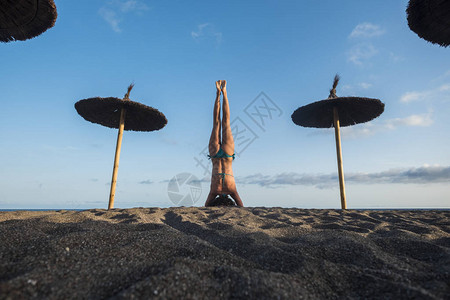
123, 114
25, 19
430, 19
336, 112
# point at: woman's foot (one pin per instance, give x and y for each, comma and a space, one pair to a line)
224, 85
218, 85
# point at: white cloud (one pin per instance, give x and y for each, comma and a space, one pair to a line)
346, 87
366, 30
365, 85
422, 120
131, 5
355, 88
114, 11
369, 129
111, 18
148, 181
361, 53
412, 96
197, 34
422, 175
206, 31
444, 87
363, 130
438, 93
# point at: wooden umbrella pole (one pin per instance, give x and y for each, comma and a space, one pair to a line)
116, 158
337, 134
123, 113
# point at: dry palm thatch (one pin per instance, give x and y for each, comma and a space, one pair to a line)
430, 19
106, 112
25, 19
352, 110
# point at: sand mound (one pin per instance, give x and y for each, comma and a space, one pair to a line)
225, 252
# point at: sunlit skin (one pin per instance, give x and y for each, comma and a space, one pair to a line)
222, 184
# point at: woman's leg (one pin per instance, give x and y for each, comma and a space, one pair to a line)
227, 136
214, 140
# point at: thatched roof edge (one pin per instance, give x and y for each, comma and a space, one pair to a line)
45, 18
106, 112
430, 20
352, 111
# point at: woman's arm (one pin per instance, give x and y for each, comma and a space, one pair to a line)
210, 198
237, 199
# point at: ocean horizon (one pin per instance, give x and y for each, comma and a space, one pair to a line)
82, 209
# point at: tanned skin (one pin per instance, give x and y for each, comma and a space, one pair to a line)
222, 184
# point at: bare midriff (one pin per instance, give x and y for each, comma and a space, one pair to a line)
222, 178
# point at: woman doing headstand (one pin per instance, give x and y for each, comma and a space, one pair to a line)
222, 179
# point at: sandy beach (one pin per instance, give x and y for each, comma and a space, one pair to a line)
238, 253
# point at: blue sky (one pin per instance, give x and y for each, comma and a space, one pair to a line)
275, 55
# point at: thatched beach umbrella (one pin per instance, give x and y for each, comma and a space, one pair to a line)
336, 112
430, 19
25, 19
123, 114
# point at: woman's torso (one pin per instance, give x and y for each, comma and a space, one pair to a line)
222, 178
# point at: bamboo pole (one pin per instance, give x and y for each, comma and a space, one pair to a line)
123, 113
337, 134
116, 158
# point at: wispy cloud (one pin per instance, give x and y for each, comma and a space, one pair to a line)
422, 120
206, 31
366, 30
353, 88
413, 96
395, 58
197, 34
148, 181
131, 6
110, 16
364, 34
169, 141
114, 11
439, 93
369, 129
363, 130
422, 175
361, 53
365, 85
442, 78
